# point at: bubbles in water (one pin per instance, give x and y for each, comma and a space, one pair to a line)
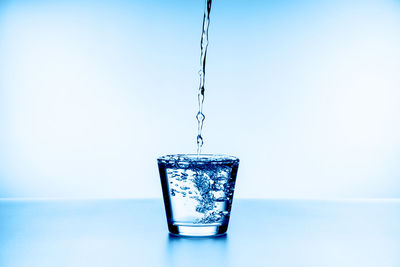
209, 185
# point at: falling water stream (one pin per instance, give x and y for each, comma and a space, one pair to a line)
203, 54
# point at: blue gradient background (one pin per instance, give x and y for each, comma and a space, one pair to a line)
306, 93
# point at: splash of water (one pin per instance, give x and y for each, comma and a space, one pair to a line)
203, 54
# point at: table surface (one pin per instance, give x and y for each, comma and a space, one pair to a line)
261, 233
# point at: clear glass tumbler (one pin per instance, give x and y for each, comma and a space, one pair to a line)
198, 192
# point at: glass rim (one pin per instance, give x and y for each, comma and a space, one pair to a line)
198, 158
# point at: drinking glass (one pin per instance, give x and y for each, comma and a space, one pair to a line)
198, 192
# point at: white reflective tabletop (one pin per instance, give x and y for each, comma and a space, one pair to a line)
261, 233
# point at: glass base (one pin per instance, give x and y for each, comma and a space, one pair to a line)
197, 230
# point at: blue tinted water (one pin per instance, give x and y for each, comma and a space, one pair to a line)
198, 189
